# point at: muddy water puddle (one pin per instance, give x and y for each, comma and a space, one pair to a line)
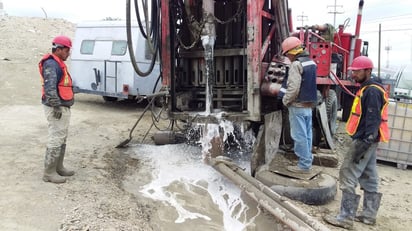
192, 195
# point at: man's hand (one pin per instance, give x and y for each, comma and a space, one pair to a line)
57, 112
361, 147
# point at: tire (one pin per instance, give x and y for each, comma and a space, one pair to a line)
286, 137
316, 132
319, 97
109, 98
317, 191
346, 106
332, 109
316, 127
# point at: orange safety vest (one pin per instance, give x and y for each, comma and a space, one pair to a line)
356, 114
65, 86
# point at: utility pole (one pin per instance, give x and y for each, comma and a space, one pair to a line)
379, 50
302, 18
335, 12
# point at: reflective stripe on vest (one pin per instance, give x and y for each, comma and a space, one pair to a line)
356, 114
307, 92
65, 85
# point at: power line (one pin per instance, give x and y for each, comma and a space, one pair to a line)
335, 12
375, 31
302, 18
390, 18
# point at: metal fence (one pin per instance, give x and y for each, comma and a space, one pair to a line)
399, 148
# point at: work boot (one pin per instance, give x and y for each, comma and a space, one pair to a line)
348, 207
50, 164
296, 169
371, 203
61, 170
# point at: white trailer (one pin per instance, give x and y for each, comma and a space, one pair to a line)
100, 62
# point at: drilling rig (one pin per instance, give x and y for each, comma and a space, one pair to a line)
221, 59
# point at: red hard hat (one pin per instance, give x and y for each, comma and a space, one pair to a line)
290, 43
62, 41
361, 63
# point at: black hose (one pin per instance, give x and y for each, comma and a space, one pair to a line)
157, 82
136, 3
130, 44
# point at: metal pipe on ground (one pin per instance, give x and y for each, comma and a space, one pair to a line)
277, 205
282, 201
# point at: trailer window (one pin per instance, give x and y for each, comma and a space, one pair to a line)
87, 47
119, 47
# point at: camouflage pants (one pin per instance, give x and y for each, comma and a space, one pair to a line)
57, 128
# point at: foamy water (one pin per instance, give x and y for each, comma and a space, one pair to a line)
183, 163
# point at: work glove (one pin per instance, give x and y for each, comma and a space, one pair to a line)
361, 147
57, 112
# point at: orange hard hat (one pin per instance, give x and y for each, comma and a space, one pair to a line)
361, 63
62, 41
290, 43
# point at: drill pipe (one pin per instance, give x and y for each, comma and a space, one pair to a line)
277, 205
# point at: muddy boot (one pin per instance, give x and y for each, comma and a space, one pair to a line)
348, 207
50, 164
371, 203
61, 170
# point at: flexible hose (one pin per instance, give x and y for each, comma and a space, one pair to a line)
154, 44
347, 91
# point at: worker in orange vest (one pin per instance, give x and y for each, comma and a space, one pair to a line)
367, 125
57, 98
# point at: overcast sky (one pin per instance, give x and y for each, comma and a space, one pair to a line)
394, 16
73, 10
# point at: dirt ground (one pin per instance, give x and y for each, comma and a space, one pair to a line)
104, 192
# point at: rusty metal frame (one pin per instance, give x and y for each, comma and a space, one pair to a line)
260, 36
166, 57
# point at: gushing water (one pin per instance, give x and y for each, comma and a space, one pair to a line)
181, 165
209, 70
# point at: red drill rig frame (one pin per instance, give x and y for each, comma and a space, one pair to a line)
248, 36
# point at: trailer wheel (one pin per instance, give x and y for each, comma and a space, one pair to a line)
317, 191
109, 98
331, 109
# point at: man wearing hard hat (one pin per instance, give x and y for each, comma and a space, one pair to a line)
57, 98
367, 125
300, 97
